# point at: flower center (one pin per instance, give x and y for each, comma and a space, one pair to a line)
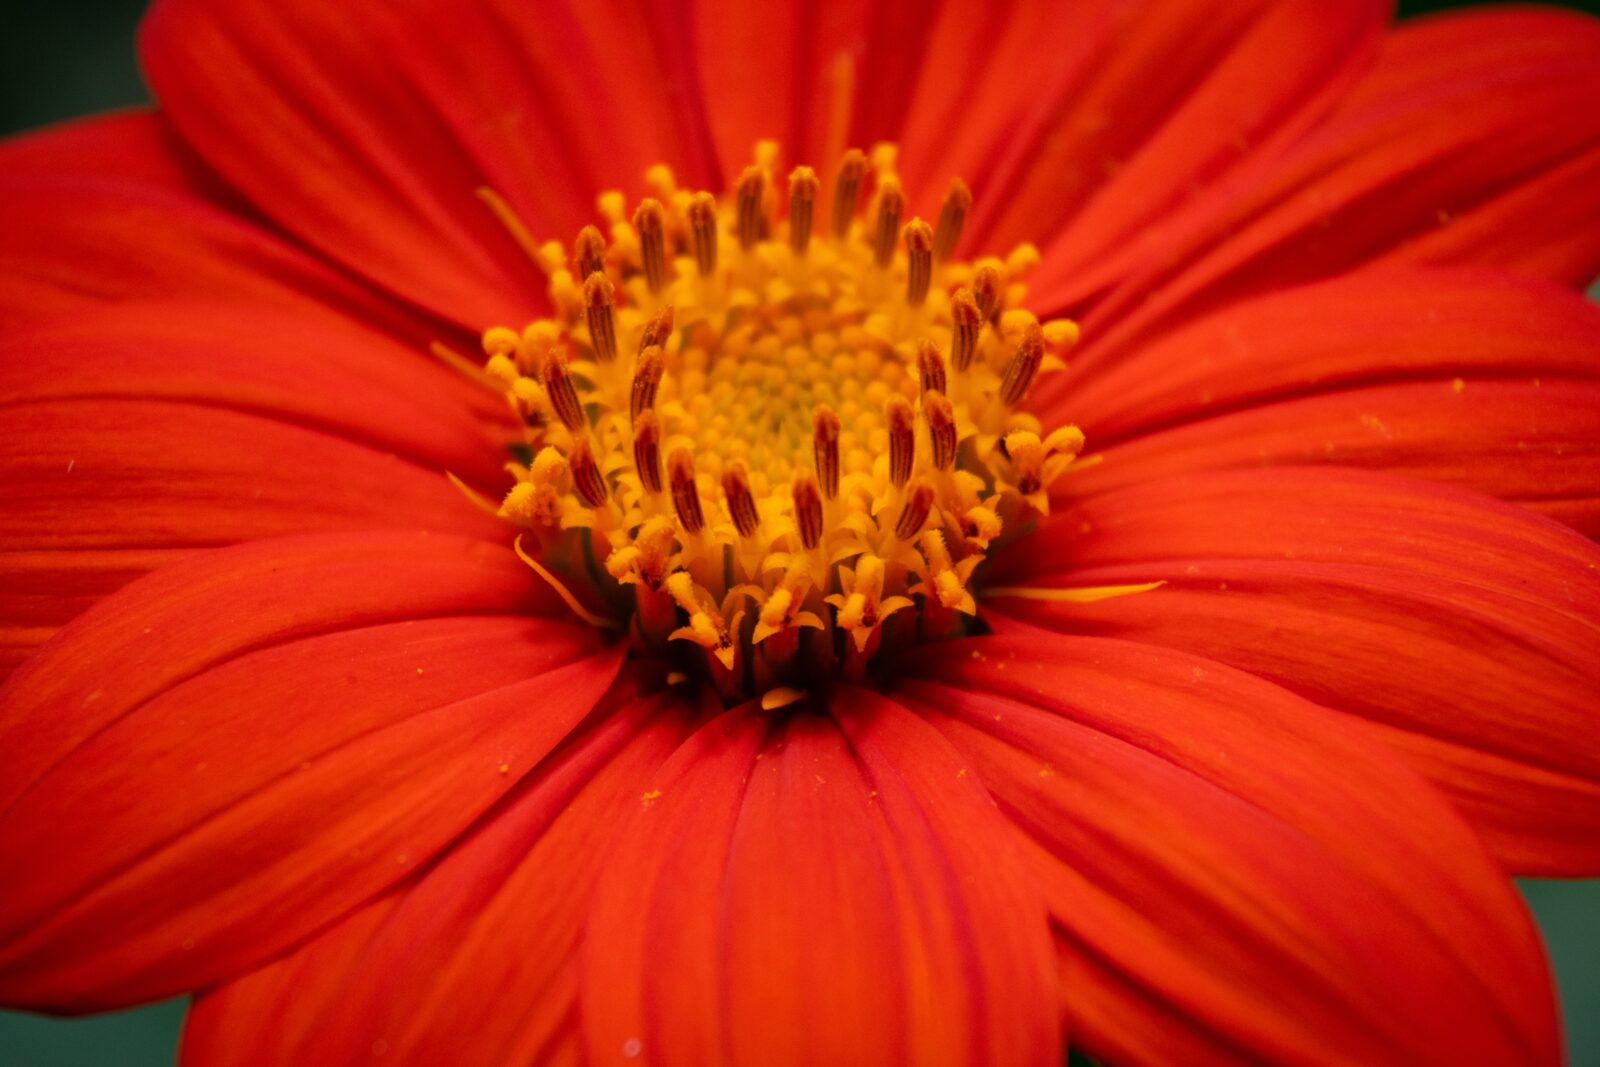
778, 440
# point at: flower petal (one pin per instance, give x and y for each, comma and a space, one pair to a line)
1535, 441
1238, 876
368, 138
1381, 176
1149, 104
1462, 628
475, 962
1370, 327
817, 890
107, 209
248, 744
135, 435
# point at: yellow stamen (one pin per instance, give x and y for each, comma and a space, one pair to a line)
802, 198
952, 217
902, 439
685, 494
589, 252
703, 224
919, 261
891, 202
930, 367
741, 504
650, 222
966, 322
562, 391
598, 293
825, 449
647, 450
795, 437
752, 183
586, 476
646, 382
1023, 367
847, 190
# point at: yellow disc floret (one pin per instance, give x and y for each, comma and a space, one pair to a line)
781, 422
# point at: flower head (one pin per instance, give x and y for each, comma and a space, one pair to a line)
759, 649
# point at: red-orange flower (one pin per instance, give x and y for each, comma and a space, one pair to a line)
291, 725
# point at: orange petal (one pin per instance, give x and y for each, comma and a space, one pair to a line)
807, 890
1237, 875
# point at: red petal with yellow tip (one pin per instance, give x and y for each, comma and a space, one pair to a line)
250, 743
807, 890
1464, 629
475, 961
1225, 870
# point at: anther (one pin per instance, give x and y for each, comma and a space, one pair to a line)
891, 202
647, 450
802, 198
807, 508
986, 285
685, 494
646, 380
902, 438
952, 216
590, 252
852, 168
915, 513
748, 201
1023, 367
703, 232
919, 260
586, 476
941, 416
967, 321
650, 221
930, 366
563, 393
741, 503
825, 448
657, 330
598, 294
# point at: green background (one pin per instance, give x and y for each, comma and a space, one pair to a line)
61, 58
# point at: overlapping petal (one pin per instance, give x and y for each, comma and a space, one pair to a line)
245, 746
817, 889
475, 962
1463, 628
134, 436
368, 138
111, 210
1377, 180
1487, 380
1224, 866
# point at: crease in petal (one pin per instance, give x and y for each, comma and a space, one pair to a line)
290, 771
474, 960
801, 891
1462, 629
1225, 869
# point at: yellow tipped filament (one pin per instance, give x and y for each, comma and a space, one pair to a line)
589, 250
780, 436
847, 190
802, 197
952, 217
